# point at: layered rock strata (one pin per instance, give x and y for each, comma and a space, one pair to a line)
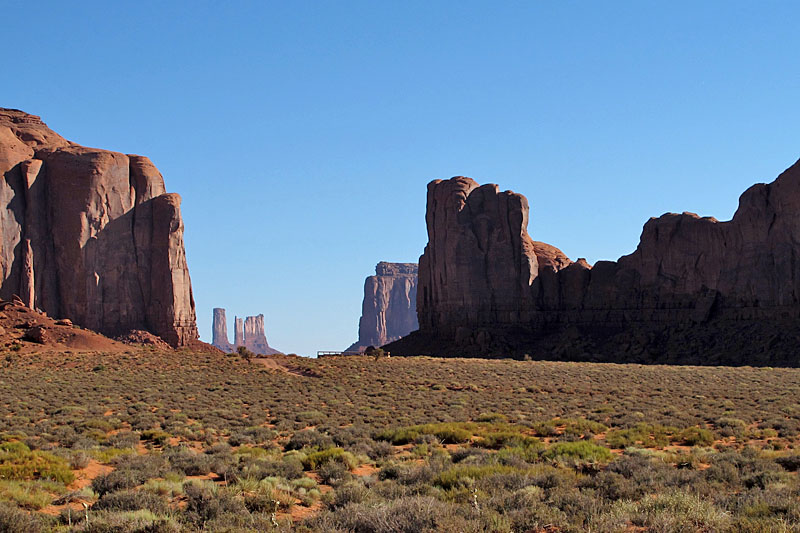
389, 308
91, 235
248, 332
696, 290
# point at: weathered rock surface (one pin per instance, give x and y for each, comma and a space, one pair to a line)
696, 290
219, 335
249, 332
90, 235
389, 309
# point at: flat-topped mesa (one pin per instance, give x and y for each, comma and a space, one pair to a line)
248, 332
696, 290
91, 235
389, 308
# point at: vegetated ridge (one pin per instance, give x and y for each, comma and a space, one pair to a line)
90, 235
695, 291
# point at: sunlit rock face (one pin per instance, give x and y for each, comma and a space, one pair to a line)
389, 308
91, 235
695, 290
249, 332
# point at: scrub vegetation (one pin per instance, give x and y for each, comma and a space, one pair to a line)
172, 442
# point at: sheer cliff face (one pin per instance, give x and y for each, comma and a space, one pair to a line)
249, 332
220, 331
91, 235
485, 286
389, 309
479, 261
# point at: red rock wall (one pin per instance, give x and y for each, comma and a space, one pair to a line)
91, 235
389, 308
691, 288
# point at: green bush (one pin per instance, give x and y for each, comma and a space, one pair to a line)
695, 436
579, 450
316, 459
465, 475
18, 462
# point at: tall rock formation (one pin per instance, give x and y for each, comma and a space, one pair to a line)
696, 290
389, 309
90, 235
238, 332
220, 331
248, 332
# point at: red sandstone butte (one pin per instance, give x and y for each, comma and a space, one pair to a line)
91, 235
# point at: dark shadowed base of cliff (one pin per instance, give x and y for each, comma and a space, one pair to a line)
719, 342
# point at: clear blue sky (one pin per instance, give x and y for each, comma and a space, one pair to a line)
301, 135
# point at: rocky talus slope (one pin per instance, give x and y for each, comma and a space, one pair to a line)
696, 290
90, 235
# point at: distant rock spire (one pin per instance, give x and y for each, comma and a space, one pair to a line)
248, 332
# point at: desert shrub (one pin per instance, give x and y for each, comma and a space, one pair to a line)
18, 462
465, 475
350, 493
546, 428
789, 462
729, 426
206, 502
31, 495
404, 515
252, 435
642, 434
142, 521
156, 436
676, 511
187, 461
580, 450
286, 467
79, 460
117, 480
131, 500
309, 438
314, 460
505, 439
334, 473
14, 520
695, 436
491, 417
446, 432
380, 450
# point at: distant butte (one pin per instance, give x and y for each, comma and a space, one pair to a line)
389, 308
248, 333
695, 291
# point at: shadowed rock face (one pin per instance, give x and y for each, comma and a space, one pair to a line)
696, 290
389, 309
249, 332
91, 235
